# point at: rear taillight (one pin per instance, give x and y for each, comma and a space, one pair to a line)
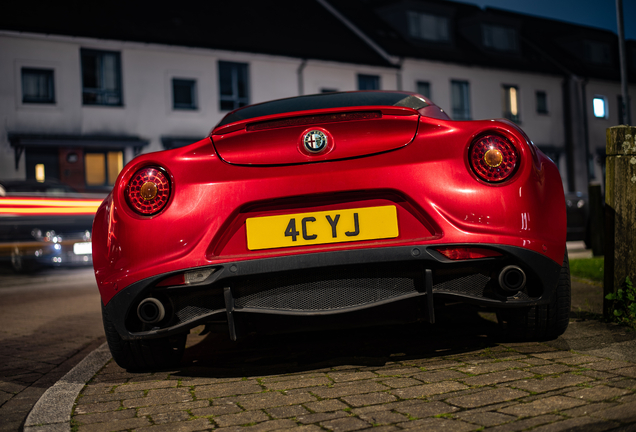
148, 191
465, 253
493, 158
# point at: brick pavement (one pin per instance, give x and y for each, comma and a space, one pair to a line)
429, 378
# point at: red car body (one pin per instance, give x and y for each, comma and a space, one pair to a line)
459, 236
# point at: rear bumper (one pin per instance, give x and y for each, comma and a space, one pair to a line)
324, 284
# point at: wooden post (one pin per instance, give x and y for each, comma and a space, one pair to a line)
620, 211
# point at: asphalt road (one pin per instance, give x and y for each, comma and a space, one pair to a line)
49, 321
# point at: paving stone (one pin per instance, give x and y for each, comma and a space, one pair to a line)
629, 398
627, 371
201, 381
438, 375
524, 424
577, 424
496, 377
351, 376
216, 410
308, 382
369, 399
227, 389
240, 418
170, 417
105, 417
421, 409
116, 425
588, 409
111, 397
288, 411
281, 424
623, 413
272, 399
145, 386
429, 364
319, 417
345, 424
438, 424
542, 406
551, 383
486, 397
97, 407
578, 360
485, 418
289, 377
600, 375
348, 388
428, 389
401, 371
399, 382
553, 368
491, 367
159, 397
97, 389
172, 407
383, 418
184, 426
536, 361
326, 405
623, 383
598, 393
607, 365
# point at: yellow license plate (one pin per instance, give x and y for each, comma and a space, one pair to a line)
334, 226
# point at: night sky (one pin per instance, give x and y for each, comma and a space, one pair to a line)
593, 13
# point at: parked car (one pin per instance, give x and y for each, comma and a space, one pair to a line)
316, 209
578, 215
45, 224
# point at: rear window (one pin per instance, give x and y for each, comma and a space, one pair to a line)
324, 101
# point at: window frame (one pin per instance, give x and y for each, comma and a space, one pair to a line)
237, 69
101, 91
545, 101
105, 153
50, 75
605, 115
368, 78
491, 43
442, 28
194, 105
419, 83
508, 106
467, 100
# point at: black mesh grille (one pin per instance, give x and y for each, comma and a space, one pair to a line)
195, 304
472, 284
326, 289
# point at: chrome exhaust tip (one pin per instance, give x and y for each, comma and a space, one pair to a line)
512, 279
151, 311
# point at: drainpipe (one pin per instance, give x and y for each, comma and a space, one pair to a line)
301, 81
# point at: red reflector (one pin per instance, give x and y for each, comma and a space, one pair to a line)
173, 280
307, 120
464, 253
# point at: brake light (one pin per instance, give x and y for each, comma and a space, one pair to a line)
493, 158
464, 253
148, 191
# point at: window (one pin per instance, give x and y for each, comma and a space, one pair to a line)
599, 105
37, 86
597, 52
184, 94
101, 77
102, 168
511, 103
542, 102
428, 27
424, 88
499, 38
233, 79
460, 95
368, 82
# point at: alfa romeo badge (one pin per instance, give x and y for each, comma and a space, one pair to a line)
315, 141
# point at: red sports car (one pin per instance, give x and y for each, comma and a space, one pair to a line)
322, 207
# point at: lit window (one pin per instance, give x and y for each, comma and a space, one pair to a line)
542, 102
102, 168
368, 82
424, 88
428, 27
37, 86
511, 103
184, 93
460, 99
233, 80
599, 104
101, 77
499, 38
39, 173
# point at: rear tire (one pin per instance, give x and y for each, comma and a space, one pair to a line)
542, 322
150, 354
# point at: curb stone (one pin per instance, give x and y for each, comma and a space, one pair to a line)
52, 412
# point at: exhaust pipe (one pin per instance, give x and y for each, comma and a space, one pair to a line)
512, 279
151, 311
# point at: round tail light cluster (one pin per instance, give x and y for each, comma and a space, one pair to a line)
148, 191
493, 158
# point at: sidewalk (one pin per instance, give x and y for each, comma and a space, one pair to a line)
457, 375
